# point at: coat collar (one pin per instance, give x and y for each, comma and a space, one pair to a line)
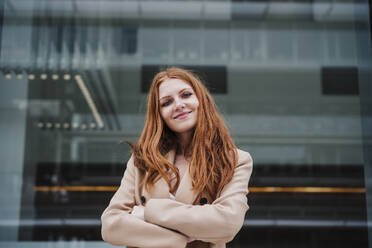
184, 193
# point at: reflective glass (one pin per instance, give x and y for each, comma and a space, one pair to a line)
291, 78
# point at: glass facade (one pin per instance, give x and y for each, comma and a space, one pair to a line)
291, 78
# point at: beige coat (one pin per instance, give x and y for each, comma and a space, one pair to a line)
169, 222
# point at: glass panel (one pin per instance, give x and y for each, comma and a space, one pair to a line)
292, 80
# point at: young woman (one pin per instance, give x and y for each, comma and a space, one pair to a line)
186, 183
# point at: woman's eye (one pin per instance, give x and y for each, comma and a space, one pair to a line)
186, 94
166, 103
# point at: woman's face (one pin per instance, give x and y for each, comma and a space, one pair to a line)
178, 105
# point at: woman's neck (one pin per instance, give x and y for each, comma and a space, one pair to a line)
184, 140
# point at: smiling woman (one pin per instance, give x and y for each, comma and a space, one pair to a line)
185, 174
179, 106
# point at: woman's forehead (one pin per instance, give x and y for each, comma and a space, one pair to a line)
172, 86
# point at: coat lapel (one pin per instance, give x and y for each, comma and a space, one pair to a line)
184, 193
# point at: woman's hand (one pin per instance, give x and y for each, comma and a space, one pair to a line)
139, 212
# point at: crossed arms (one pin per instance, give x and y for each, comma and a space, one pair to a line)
169, 223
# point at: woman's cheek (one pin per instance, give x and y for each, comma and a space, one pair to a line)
166, 114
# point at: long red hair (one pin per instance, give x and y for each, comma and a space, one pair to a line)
212, 150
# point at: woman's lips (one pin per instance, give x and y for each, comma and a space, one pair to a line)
183, 115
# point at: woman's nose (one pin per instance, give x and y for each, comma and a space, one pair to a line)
179, 104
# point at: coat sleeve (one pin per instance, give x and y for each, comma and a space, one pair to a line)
119, 227
218, 222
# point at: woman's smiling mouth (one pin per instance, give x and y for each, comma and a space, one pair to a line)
182, 115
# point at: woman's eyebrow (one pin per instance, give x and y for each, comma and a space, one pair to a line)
178, 92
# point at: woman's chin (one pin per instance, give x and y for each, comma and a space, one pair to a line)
183, 130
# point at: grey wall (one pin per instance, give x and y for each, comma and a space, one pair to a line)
13, 105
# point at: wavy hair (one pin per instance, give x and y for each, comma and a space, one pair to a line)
212, 150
